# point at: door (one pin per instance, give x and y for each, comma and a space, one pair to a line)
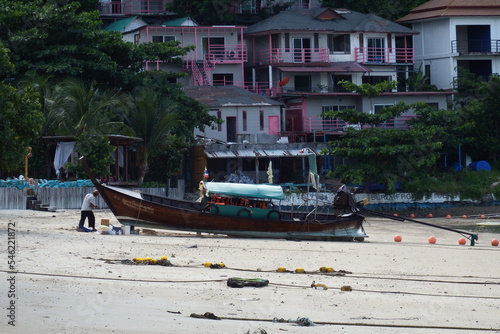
376, 51
273, 125
213, 47
231, 129
301, 50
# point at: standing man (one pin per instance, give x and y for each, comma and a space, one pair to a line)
87, 206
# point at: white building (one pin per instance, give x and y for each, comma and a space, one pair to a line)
454, 35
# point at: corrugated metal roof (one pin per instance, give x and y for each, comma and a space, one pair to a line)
119, 25
450, 8
332, 67
311, 20
256, 153
218, 96
181, 22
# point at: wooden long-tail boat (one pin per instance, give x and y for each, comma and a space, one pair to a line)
233, 209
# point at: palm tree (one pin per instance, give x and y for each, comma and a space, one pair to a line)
152, 118
77, 109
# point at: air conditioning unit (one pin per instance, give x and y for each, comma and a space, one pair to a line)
231, 54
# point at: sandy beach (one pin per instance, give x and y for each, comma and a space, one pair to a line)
58, 280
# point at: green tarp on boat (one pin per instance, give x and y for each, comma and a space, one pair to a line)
246, 190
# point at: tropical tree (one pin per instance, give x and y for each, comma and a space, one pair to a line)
153, 119
480, 120
21, 118
385, 156
76, 109
89, 113
58, 38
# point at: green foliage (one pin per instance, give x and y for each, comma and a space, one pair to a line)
21, 118
206, 12
480, 117
380, 155
74, 108
388, 9
46, 37
97, 151
386, 156
465, 184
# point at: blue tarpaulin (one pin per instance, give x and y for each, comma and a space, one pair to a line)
480, 165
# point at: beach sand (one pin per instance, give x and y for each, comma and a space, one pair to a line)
66, 281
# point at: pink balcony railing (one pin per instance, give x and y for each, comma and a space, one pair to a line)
274, 56
227, 53
132, 7
319, 124
384, 55
264, 88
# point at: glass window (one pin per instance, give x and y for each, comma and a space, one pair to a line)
339, 43
245, 121
261, 120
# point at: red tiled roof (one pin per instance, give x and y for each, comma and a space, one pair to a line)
449, 8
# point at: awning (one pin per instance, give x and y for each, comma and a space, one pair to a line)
340, 67
256, 153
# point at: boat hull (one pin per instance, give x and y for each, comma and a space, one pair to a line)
142, 210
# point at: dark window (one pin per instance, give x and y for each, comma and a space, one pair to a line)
245, 120
222, 79
261, 120
339, 43
303, 83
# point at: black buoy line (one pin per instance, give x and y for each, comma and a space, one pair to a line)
471, 236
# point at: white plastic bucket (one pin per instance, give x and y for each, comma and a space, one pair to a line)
125, 230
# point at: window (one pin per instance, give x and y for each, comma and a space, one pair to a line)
332, 123
219, 117
301, 50
339, 44
137, 39
261, 120
373, 80
336, 78
376, 51
303, 83
222, 79
433, 105
163, 39
377, 108
245, 120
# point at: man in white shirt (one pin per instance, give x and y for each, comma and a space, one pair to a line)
88, 204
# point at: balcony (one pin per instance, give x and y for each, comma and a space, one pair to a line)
384, 56
475, 47
291, 56
132, 7
227, 53
335, 125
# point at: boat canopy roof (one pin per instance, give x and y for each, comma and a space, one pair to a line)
246, 190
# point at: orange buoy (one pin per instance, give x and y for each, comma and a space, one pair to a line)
482, 217
464, 216
432, 240
412, 215
494, 242
462, 241
448, 216
398, 238
429, 215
